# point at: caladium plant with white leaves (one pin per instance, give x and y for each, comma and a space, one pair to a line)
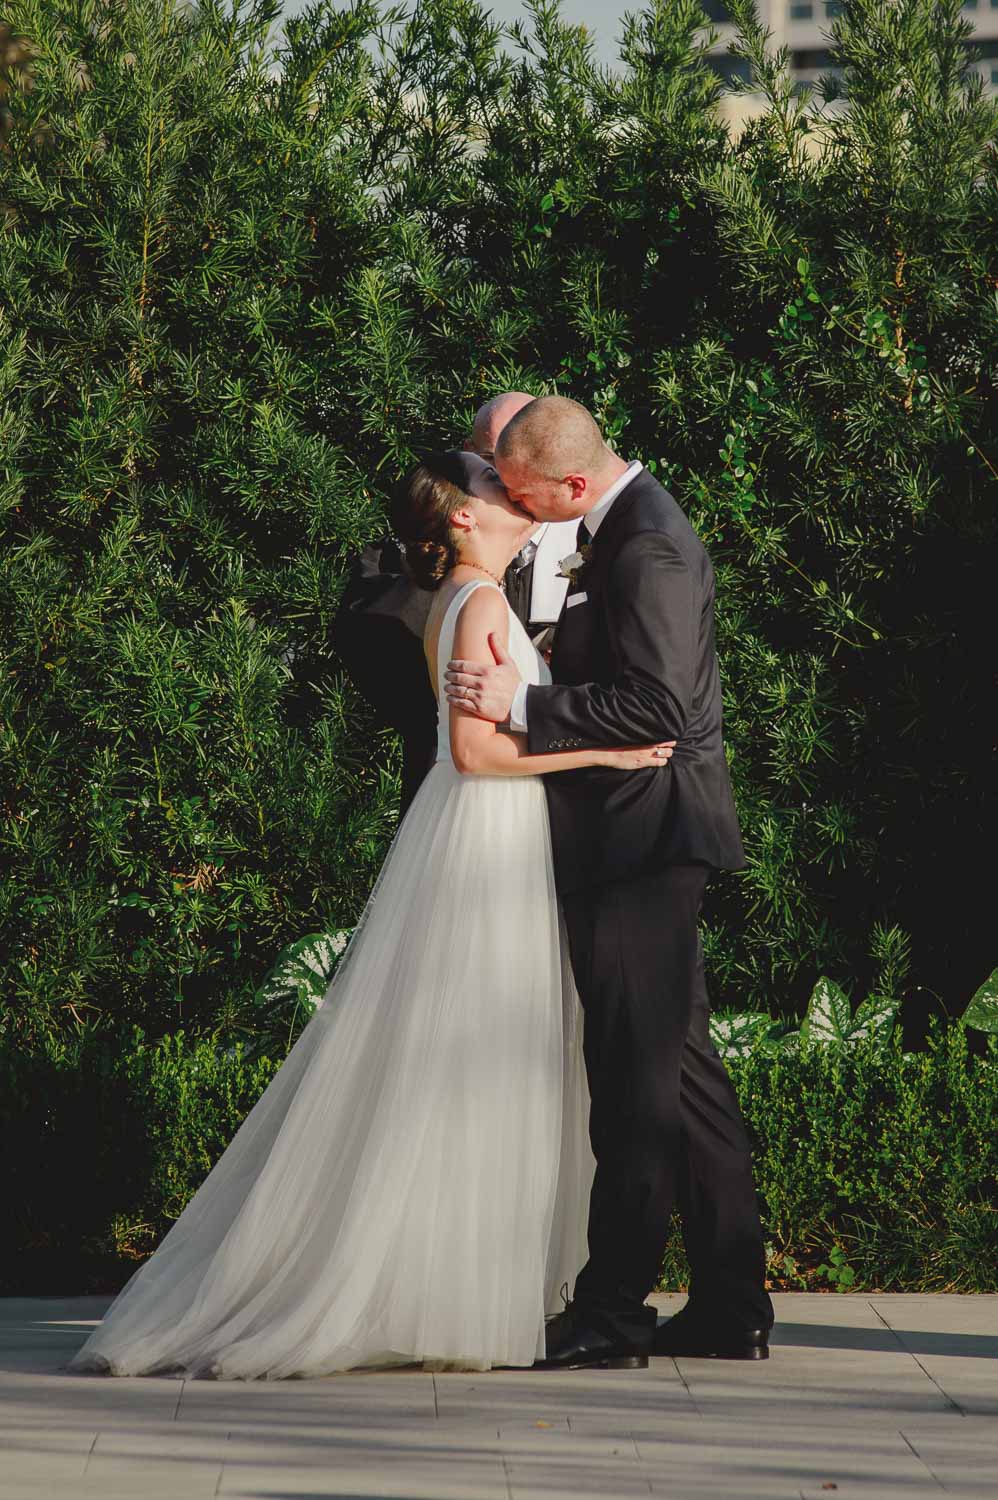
736, 1033
830, 1021
830, 1017
294, 988
982, 1012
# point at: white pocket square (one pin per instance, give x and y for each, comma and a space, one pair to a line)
576, 599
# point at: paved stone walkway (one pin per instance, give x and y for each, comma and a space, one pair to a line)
864, 1396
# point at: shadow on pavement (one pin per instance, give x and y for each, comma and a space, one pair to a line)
885, 1340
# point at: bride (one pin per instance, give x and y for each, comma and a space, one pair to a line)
413, 1184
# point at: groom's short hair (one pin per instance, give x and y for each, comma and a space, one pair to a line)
553, 436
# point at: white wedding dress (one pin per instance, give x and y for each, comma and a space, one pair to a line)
413, 1184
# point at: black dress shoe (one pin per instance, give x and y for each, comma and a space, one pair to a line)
692, 1337
572, 1343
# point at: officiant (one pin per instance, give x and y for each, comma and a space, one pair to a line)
378, 630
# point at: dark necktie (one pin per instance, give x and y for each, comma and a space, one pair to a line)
519, 585
582, 537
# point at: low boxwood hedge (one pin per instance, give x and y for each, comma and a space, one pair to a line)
876, 1168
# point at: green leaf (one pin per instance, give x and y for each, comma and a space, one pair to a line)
296, 985
737, 1033
802, 267
982, 1012
874, 1020
829, 1014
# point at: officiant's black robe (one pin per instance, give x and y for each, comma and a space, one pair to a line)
378, 636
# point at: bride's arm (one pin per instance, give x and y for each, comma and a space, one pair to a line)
480, 748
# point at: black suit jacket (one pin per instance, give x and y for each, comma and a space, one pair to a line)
635, 663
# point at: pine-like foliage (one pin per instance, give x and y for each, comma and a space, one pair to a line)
186, 229
246, 273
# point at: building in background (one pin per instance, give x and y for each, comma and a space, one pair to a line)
803, 25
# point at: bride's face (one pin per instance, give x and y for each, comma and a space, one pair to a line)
495, 513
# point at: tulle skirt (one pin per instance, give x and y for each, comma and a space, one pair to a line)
413, 1184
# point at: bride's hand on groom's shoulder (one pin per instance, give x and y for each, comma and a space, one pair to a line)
484, 689
638, 757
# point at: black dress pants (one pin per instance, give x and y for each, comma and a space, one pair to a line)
665, 1125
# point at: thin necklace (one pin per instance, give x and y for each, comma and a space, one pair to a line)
494, 576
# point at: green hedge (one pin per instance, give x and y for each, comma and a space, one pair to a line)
875, 1171
104, 1142
882, 1164
244, 276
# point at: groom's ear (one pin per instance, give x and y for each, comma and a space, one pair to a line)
579, 485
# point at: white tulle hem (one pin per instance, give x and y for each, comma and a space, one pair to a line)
412, 1186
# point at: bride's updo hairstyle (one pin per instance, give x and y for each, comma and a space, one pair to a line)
421, 512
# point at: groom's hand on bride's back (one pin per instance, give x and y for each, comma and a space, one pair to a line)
486, 690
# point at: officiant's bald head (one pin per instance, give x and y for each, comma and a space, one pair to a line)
490, 420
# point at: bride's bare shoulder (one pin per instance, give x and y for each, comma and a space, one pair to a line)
483, 612
484, 609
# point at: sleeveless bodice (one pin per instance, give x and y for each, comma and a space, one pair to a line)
530, 664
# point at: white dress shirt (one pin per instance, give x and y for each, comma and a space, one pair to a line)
553, 541
593, 520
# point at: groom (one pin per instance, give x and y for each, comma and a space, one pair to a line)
633, 663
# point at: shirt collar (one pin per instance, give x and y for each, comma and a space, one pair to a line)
530, 548
594, 518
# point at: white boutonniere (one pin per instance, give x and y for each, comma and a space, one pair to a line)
571, 567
